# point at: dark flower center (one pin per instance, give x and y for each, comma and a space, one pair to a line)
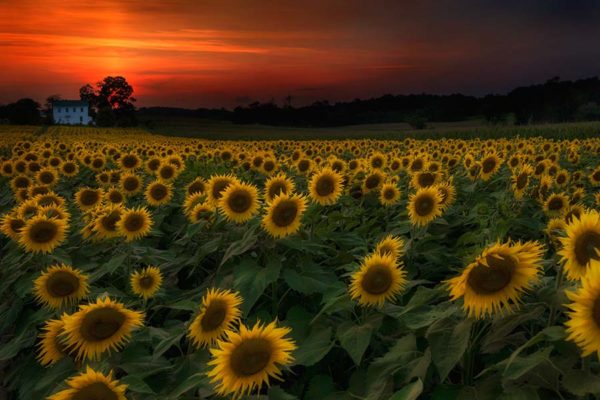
377, 280
493, 278
101, 323
285, 213
587, 246
43, 232
250, 357
214, 315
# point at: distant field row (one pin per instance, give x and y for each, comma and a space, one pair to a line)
458, 130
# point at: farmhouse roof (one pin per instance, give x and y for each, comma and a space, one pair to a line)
70, 103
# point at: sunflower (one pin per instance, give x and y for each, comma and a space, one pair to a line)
490, 164
284, 214
69, 168
219, 312
556, 204
158, 193
146, 282
379, 278
520, 180
12, 225
198, 185
134, 223
447, 193
373, 181
130, 184
389, 194
496, 280
92, 385
98, 327
583, 326
217, 185
247, 359
47, 176
325, 186
42, 234
114, 196
393, 245
129, 161
202, 212
59, 286
105, 223
167, 172
595, 177
423, 179
581, 244
51, 348
424, 206
276, 185
239, 202
87, 198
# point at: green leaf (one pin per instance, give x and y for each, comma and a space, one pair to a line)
167, 343
251, 280
448, 343
320, 386
312, 279
277, 393
355, 339
191, 382
581, 383
409, 392
241, 246
521, 365
315, 347
136, 384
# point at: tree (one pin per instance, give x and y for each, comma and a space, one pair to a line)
23, 112
113, 94
47, 110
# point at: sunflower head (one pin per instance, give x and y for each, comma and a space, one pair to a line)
277, 185
42, 234
134, 223
239, 202
325, 186
424, 206
219, 313
379, 278
581, 244
284, 214
146, 282
51, 346
583, 326
389, 194
92, 385
87, 198
495, 281
245, 360
60, 285
99, 327
393, 245
158, 193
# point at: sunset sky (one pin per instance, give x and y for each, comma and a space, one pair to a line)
229, 53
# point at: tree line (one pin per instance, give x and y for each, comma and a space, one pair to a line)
112, 103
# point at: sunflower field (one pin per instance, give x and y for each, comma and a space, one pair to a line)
137, 266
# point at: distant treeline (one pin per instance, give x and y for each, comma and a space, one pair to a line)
550, 102
553, 101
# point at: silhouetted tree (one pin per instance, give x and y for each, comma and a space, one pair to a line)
22, 112
113, 93
47, 109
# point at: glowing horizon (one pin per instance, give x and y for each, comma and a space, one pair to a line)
226, 53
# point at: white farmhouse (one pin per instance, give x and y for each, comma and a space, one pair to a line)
71, 112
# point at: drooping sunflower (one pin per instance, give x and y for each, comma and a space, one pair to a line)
379, 278
42, 235
92, 385
325, 186
51, 348
276, 185
581, 244
239, 202
424, 206
11, 225
98, 327
158, 193
135, 223
447, 193
520, 180
202, 212
284, 215
105, 222
583, 326
496, 280
146, 282
219, 312
87, 198
389, 194
59, 286
390, 244
247, 359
